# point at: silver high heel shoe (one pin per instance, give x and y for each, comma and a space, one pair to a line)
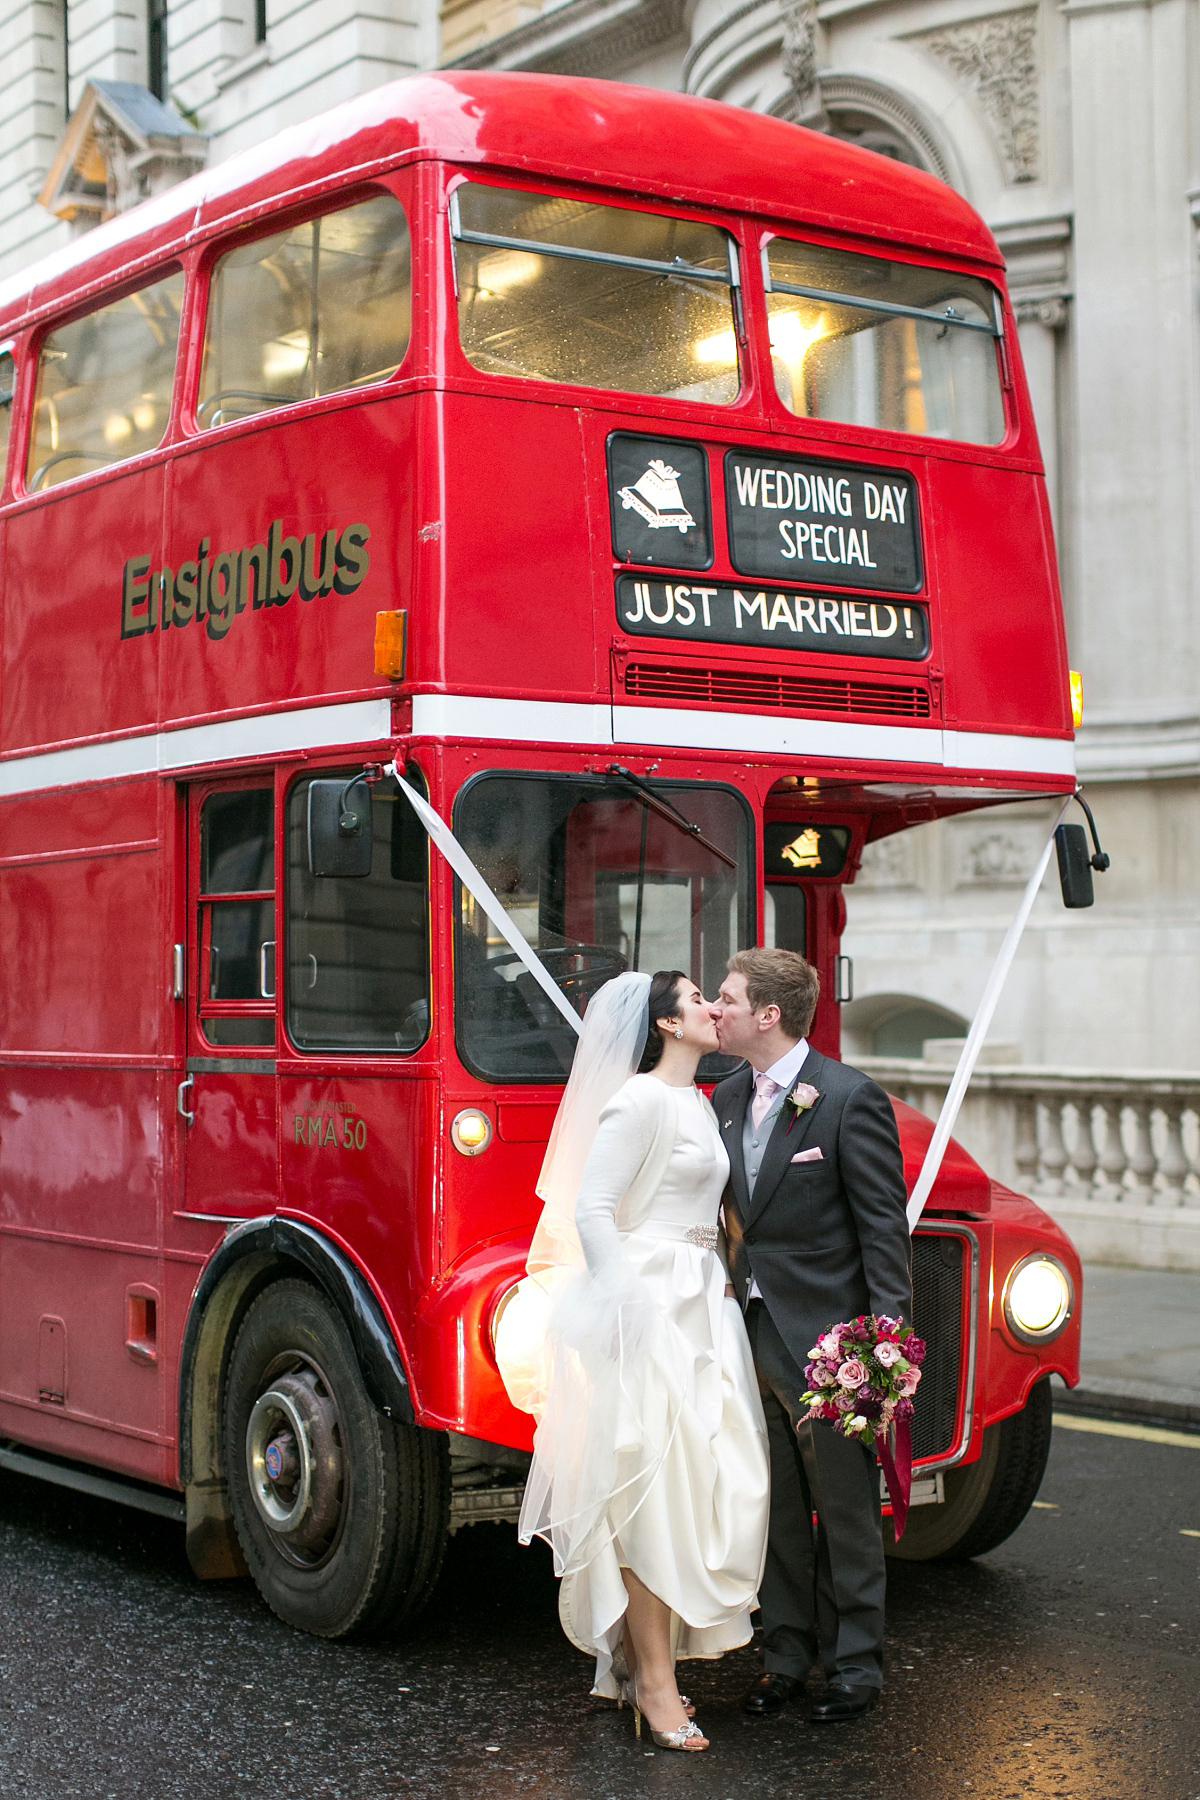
689, 1737
626, 1695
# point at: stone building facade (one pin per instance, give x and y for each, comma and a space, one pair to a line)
1074, 127
232, 72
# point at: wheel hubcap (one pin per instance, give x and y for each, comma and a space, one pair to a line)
294, 1461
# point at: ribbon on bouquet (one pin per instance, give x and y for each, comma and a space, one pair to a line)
897, 1472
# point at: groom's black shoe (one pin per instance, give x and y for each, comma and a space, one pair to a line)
770, 1694
843, 1702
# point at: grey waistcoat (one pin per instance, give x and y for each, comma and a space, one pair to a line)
752, 1134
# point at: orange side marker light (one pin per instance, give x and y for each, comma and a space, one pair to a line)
1076, 696
391, 644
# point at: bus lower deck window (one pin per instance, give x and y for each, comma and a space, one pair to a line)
358, 945
104, 385
886, 344
598, 882
319, 309
551, 289
236, 920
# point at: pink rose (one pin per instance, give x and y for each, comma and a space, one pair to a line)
830, 1346
804, 1095
908, 1381
846, 1402
852, 1374
887, 1355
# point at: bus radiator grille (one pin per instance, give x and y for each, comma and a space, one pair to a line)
938, 1317
779, 693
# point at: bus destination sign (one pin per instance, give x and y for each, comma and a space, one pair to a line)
836, 524
765, 618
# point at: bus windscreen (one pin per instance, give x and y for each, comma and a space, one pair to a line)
598, 882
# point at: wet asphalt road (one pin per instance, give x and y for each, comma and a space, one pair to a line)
1063, 1664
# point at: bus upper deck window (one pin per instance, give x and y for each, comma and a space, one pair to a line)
316, 310
8, 384
884, 344
551, 289
104, 385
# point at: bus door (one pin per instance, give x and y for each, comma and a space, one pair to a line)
358, 1107
804, 908
226, 1099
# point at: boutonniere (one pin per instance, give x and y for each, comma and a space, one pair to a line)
802, 1099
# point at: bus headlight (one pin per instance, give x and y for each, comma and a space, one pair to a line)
1038, 1299
471, 1131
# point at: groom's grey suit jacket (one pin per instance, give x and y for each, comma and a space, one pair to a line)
827, 1238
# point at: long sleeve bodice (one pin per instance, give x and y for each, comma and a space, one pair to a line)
666, 1133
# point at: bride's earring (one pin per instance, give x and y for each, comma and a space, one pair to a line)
679, 1034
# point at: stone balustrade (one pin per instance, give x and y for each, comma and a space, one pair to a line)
1115, 1159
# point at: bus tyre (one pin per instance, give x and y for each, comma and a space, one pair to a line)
341, 1513
986, 1501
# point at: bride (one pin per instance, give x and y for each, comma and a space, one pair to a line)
649, 1475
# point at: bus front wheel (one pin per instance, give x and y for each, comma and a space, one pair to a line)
341, 1513
987, 1500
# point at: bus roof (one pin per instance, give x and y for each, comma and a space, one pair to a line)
662, 144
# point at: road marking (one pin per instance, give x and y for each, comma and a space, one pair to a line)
1145, 1434
1184, 1532
1046, 1505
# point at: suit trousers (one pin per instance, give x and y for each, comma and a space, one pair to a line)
822, 1593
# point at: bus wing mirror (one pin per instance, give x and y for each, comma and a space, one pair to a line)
1074, 866
339, 828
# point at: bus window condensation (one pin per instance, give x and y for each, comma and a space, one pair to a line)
552, 289
8, 387
319, 309
104, 385
883, 344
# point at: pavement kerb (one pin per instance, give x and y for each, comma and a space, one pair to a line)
1144, 1406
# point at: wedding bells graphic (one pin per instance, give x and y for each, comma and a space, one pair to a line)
656, 496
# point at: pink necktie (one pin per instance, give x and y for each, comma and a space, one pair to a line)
765, 1091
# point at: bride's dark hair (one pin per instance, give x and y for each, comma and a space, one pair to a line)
663, 1004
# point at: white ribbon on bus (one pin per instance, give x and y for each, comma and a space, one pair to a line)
474, 883
969, 1055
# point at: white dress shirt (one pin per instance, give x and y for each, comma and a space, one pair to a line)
785, 1073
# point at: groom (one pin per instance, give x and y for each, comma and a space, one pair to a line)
815, 1220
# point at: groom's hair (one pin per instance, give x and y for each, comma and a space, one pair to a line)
783, 979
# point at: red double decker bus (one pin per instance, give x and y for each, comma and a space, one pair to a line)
653, 486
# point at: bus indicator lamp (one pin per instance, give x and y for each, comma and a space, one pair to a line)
1076, 698
391, 644
471, 1132
1038, 1299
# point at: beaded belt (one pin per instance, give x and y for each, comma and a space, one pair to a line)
703, 1236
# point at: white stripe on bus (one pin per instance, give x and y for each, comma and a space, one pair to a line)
531, 722
226, 740
535, 721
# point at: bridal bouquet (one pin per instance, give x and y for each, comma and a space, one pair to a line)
863, 1376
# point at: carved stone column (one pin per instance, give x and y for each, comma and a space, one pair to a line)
800, 62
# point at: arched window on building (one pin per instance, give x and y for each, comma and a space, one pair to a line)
896, 1025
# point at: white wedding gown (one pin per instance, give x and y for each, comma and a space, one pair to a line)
658, 1442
